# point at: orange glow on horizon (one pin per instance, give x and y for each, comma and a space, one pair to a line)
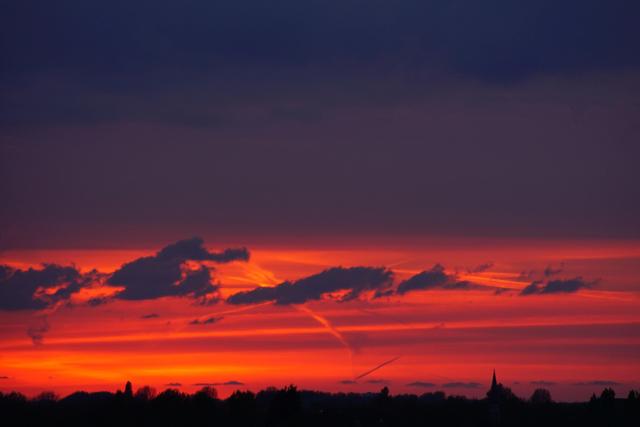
441, 335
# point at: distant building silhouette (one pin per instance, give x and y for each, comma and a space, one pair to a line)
499, 393
290, 407
128, 390
494, 400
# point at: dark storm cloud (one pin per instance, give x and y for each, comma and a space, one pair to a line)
18, 287
163, 274
461, 385
353, 280
114, 45
558, 286
321, 118
421, 384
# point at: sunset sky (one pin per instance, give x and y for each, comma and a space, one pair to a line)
247, 194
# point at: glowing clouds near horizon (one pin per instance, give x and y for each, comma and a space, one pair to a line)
187, 314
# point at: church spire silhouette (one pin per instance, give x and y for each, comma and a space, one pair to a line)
128, 390
494, 383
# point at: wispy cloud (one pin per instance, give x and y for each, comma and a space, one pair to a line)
421, 384
462, 385
543, 383
206, 321
150, 316
599, 383
37, 330
217, 384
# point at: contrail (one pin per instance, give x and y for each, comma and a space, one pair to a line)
370, 371
330, 328
324, 322
231, 311
240, 309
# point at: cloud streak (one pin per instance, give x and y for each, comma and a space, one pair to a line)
226, 383
543, 383
421, 384
206, 321
599, 383
38, 329
371, 371
471, 385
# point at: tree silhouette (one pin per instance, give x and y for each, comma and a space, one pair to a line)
145, 393
289, 406
540, 396
128, 390
608, 395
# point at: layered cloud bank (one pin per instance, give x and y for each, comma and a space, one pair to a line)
186, 268
182, 269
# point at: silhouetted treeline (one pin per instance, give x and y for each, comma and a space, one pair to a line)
290, 407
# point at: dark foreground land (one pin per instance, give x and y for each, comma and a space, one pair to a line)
291, 407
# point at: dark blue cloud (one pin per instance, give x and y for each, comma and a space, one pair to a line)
125, 48
496, 40
18, 287
437, 278
354, 281
428, 279
413, 118
163, 274
559, 286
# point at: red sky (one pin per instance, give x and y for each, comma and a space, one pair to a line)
319, 135
577, 341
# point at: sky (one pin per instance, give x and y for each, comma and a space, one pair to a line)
299, 192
